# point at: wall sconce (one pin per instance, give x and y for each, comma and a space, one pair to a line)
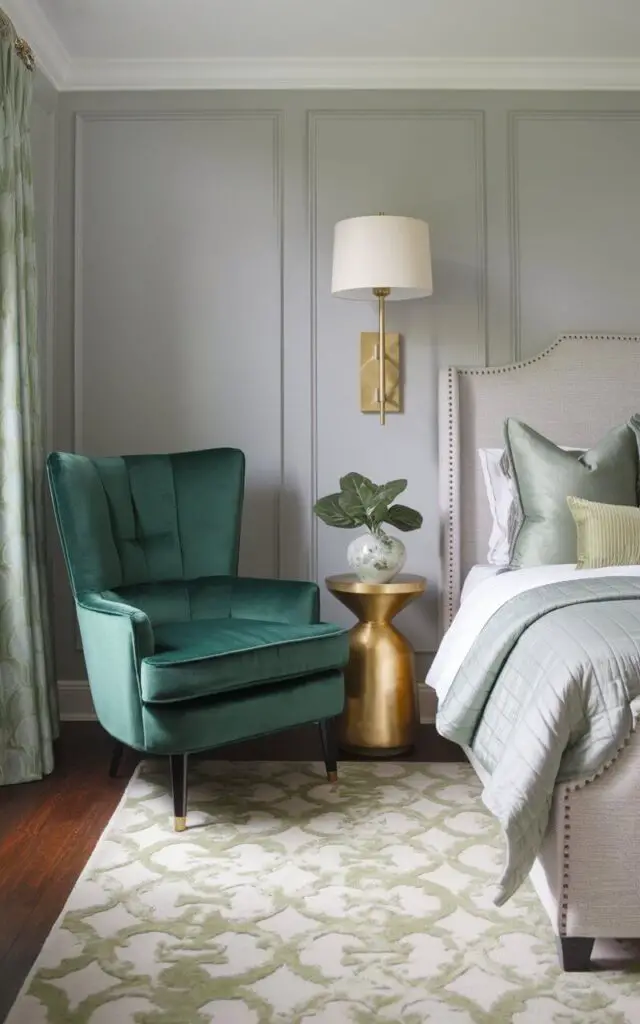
384, 258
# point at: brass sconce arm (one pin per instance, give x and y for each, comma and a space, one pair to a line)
381, 294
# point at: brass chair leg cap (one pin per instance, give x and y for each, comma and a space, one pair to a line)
332, 777
180, 824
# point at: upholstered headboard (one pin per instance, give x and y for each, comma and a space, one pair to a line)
573, 392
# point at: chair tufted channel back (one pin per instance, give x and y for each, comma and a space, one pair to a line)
130, 523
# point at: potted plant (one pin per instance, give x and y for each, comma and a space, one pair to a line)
375, 557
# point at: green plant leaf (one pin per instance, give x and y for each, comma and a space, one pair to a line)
357, 487
330, 511
403, 518
363, 503
358, 498
389, 492
352, 506
383, 497
362, 485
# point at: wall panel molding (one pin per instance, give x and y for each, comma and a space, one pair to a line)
514, 120
315, 119
525, 202
313, 123
42, 100
207, 116
51, 281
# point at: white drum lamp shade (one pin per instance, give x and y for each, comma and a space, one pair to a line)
381, 252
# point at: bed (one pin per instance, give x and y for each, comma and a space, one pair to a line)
587, 874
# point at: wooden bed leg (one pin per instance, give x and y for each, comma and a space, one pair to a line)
575, 953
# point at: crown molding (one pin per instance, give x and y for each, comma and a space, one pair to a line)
76, 74
356, 73
33, 25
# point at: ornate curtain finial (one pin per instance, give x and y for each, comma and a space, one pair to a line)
25, 53
21, 46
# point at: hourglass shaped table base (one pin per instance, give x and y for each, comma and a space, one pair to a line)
380, 715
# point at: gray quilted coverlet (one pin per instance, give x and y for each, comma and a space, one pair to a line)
543, 696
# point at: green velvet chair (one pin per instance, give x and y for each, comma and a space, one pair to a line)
182, 654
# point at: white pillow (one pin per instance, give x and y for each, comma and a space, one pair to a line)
501, 493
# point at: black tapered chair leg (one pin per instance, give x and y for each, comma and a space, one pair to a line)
179, 785
329, 747
116, 758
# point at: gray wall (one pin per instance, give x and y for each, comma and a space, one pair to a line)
193, 265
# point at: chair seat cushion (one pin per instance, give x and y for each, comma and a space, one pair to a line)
206, 657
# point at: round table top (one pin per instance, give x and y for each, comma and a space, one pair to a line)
348, 583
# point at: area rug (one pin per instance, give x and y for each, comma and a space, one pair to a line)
290, 901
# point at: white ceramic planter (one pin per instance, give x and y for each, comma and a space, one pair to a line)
376, 558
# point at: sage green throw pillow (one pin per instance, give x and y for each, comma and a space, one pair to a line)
545, 476
606, 534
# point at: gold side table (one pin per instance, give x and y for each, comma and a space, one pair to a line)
380, 714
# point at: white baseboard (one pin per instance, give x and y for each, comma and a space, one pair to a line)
76, 704
427, 702
75, 701
426, 696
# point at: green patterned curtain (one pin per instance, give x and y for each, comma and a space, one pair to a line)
28, 711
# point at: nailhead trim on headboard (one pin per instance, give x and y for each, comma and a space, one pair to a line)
486, 371
451, 525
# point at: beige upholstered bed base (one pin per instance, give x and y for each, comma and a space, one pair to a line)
588, 873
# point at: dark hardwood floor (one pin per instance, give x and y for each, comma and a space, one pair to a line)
48, 829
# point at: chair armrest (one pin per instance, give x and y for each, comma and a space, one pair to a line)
115, 638
289, 601
137, 621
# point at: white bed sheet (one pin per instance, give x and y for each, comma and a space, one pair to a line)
477, 575
485, 600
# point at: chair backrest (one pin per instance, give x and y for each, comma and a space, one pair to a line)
138, 519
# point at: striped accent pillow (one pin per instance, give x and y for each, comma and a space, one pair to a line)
607, 534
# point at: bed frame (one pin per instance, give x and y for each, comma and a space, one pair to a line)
588, 873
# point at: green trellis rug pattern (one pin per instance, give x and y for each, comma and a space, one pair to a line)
290, 901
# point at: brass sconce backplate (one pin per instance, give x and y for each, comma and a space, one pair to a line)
370, 372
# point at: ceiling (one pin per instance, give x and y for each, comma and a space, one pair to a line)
341, 43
